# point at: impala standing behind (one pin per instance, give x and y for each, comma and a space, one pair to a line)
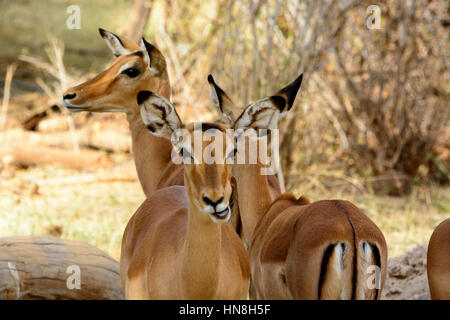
300, 250
135, 68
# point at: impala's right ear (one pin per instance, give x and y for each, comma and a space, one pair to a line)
158, 114
227, 109
114, 43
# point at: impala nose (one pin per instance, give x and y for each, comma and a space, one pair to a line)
221, 210
69, 96
211, 202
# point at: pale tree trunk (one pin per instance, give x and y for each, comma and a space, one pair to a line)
141, 14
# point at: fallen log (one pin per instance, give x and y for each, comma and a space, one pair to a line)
107, 140
27, 156
48, 268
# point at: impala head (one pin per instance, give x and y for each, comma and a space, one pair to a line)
207, 182
135, 68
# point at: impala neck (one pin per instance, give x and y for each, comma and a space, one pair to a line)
151, 154
201, 256
255, 196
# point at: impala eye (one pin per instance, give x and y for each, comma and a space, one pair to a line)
131, 72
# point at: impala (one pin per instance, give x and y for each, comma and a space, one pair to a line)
176, 245
300, 250
438, 262
135, 68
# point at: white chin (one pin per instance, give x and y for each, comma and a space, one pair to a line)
220, 220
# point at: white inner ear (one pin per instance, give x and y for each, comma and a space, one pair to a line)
150, 114
147, 59
171, 114
214, 97
114, 44
259, 115
146, 56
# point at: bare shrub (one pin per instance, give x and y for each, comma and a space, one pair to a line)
388, 88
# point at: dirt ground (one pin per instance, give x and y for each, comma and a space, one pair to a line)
407, 276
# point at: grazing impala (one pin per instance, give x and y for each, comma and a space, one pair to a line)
438, 262
300, 250
176, 245
135, 68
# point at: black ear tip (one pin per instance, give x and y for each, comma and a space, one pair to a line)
210, 79
148, 45
279, 102
291, 91
143, 96
101, 31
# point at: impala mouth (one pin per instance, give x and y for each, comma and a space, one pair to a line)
222, 215
72, 107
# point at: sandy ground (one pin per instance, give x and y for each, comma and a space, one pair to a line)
407, 276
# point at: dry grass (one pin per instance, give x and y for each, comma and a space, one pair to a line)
98, 212
93, 212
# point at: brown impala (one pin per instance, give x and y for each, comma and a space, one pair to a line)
176, 245
135, 68
300, 250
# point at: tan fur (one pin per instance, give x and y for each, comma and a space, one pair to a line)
171, 249
109, 91
438, 262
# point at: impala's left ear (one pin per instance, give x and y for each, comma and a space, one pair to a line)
153, 57
265, 113
158, 114
262, 114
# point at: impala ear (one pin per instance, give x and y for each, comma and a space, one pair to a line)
158, 114
227, 109
153, 57
114, 43
262, 114
289, 93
